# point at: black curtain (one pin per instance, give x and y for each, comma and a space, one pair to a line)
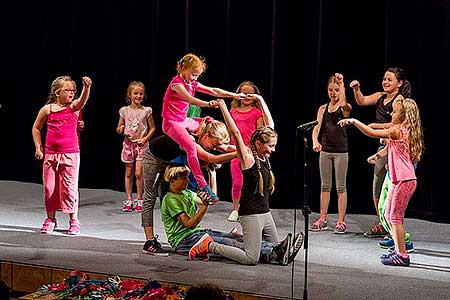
288, 48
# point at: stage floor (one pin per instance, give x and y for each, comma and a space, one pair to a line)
338, 266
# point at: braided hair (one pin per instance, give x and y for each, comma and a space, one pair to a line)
263, 134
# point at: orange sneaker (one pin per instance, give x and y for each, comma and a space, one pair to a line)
200, 249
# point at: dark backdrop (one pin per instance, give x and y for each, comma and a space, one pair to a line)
288, 48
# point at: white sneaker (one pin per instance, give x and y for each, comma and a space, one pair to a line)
233, 217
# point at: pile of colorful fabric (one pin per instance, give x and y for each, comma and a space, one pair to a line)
79, 286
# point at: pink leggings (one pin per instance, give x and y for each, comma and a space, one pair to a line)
60, 176
179, 132
398, 199
237, 179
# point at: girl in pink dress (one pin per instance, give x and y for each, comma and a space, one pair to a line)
62, 152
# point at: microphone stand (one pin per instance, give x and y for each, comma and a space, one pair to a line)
306, 211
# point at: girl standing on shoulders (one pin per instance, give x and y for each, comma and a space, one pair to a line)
179, 94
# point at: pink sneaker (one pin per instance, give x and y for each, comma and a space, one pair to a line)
48, 226
138, 206
74, 227
127, 205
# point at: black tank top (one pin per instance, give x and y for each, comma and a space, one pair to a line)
251, 201
383, 112
334, 137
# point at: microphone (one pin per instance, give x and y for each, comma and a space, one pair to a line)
307, 126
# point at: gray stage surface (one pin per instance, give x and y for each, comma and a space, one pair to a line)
339, 266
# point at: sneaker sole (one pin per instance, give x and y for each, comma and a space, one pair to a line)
285, 260
407, 251
318, 230
374, 236
155, 254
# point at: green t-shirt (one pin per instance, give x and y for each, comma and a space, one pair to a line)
173, 205
194, 111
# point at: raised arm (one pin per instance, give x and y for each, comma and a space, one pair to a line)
360, 98
243, 152
346, 107
79, 103
267, 116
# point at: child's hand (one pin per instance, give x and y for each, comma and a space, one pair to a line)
80, 125
204, 197
140, 141
221, 103
39, 154
345, 122
340, 78
213, 103
87, 82
354, 84
240, 96
317, 147
120, 129
372, 159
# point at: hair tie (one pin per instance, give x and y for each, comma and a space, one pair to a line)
208, 119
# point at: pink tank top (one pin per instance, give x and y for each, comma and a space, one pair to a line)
246, 122
62, 132
401, 167
174, 106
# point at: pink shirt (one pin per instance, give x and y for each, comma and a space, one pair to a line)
62, 134
401, 167
174, 106
246, 122
136, 125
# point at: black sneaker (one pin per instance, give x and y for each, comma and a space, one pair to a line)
297, 243
377, 231
153, 247
282, 250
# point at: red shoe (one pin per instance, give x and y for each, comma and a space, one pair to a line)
200, 249
127, 205
138, 206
